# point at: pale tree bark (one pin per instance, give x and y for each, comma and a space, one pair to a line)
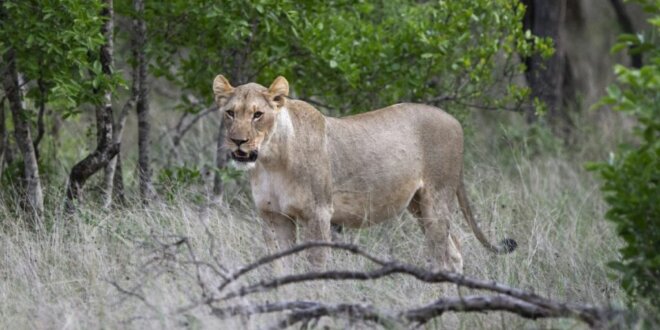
118, 191
114, 181
106, 149
33, 199
142, 106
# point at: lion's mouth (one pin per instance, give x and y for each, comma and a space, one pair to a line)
241, 156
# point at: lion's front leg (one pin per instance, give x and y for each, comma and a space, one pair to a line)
316, 228
280, 234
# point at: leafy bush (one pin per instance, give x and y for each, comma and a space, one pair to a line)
632, 176
351, 56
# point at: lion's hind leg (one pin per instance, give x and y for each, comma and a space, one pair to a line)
432, 211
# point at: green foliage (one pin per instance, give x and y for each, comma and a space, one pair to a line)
352, 56
172, 181
57, 44
632, 176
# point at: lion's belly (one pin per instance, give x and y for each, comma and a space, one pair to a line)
365, 207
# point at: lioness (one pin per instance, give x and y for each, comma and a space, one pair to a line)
312, 170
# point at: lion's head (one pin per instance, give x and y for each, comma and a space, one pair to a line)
249, 112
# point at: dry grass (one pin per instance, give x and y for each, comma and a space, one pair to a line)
61, 278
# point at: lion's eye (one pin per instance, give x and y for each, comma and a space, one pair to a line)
230, 113
257, 115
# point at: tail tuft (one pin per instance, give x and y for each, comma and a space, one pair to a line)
508, 245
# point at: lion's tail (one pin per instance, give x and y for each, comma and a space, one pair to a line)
507, 245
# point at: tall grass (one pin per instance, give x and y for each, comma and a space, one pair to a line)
62, 276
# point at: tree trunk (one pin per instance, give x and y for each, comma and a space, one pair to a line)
142, 106
220, 162
118, 192
627, 27
7, 148
41, 129
544, 76
3, 136
33, 199
106, 149
114, 180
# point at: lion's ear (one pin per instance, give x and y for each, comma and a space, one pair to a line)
222, 89
278, 90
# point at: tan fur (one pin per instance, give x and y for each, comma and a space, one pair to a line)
355, 171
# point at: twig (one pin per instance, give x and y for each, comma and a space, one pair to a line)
322, 105
132, 293
182, 129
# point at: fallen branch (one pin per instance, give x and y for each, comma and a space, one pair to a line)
533, 304
503, 298
311, 310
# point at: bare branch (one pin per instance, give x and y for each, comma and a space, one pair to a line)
182, 129
505, 298
250, 309
295, 250
322, 105
311, 310
133, 293
353, 311
586, 313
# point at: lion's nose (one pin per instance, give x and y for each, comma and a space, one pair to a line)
238, 142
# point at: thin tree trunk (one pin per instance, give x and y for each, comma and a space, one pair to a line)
142, 106
118, 192
3, 136
105, 148
40, 118
114, 180
33, 199
8, 150
220, 162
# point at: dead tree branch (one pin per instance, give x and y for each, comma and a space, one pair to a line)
184, 126
525, 303
503, 298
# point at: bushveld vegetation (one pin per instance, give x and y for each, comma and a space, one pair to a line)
110, 220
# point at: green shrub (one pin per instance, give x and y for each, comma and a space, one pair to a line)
632, 175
